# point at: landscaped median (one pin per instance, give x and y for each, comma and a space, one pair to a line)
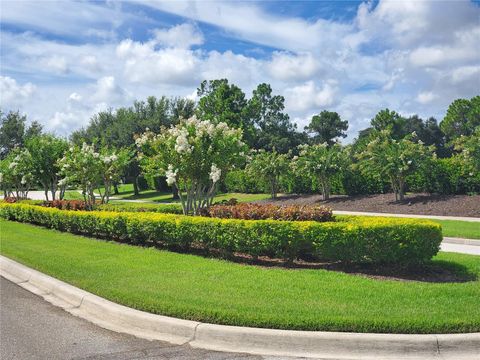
351, 240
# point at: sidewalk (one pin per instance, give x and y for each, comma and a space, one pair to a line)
437, 217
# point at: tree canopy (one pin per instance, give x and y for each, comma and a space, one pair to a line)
326, 127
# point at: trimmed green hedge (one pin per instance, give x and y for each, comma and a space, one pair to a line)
353, 240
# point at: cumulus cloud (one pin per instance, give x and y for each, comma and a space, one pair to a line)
308, 95
182, 36
108, 91
14, 94
425, 97
287, 66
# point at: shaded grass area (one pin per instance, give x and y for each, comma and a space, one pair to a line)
126, 193
212, 290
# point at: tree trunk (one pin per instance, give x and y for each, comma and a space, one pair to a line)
115, 189
175, 194
136, 192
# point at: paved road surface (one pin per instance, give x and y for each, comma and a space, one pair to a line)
31, 328
460, 248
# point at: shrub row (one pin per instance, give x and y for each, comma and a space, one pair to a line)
66, 204
248, 211
354, 240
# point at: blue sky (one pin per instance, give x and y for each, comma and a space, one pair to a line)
62, 61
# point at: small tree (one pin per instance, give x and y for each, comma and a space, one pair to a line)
16, 173
320, 162
394, 159
89, 169
193, 155
269, 166
46, 150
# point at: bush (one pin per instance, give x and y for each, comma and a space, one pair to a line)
139, 207
66, 204
352, 240
248, 211
242, 182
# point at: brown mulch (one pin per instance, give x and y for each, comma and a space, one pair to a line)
419, 204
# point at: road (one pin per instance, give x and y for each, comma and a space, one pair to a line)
31, 328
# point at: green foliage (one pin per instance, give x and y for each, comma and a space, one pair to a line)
16, 176
273, 128
394, 159
463, 116
327, 127
193, 155
13, 131
321, 162
242, 181
269, 167
46, 151
353, 240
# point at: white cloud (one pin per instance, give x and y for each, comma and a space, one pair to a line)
466, 73
180, 36
426, 97
286, 66
109, 92
308, 95
142, 63
14, 94
57, 64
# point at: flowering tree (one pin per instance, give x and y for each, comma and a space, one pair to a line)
269, 166
16, 173
320, 162
89, 169
469, 147
193, 155
395, 159
46, 150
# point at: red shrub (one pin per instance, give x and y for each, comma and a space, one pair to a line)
66, 204
10, 199
248, 211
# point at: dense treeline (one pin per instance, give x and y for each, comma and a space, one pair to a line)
395, 153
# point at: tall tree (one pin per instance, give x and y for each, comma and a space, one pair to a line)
385, 119
224, 102
13, 131
273, 128
327, 127
462, 117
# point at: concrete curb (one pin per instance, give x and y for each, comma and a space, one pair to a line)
325, 345
461, 241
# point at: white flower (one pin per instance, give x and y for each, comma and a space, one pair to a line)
215, 173
471, 174
12, 165
24, 180
1, 178
181, 144
409, 162
62, 182
171, 175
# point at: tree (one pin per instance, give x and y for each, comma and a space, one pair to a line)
269, 166
326, 127
394, 159
223, 102
193, 155
462, 117
273, 128
384, 120
321, 163
16, 173
13, 131
46, 150
89, 169
469, 148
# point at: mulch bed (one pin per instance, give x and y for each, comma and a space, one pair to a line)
420, 204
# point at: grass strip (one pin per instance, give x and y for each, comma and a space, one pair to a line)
211, 290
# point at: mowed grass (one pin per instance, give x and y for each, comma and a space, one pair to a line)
462, 229
126, 193
216, 291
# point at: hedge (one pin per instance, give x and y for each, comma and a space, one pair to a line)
353, 240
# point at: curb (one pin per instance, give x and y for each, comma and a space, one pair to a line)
461, 241
319, 344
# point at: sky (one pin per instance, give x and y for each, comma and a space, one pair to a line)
63, 61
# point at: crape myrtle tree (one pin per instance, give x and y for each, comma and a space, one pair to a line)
45, 151
269, 167
321, 162
394, 159
16, 178
469, 153
90, 169
193, 155
326, 127
116, 129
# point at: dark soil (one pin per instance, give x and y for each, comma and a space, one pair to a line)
419, 204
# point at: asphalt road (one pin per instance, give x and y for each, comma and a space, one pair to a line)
31, 328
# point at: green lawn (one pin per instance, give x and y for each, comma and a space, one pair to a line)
217, 291
462, 229
126, 193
